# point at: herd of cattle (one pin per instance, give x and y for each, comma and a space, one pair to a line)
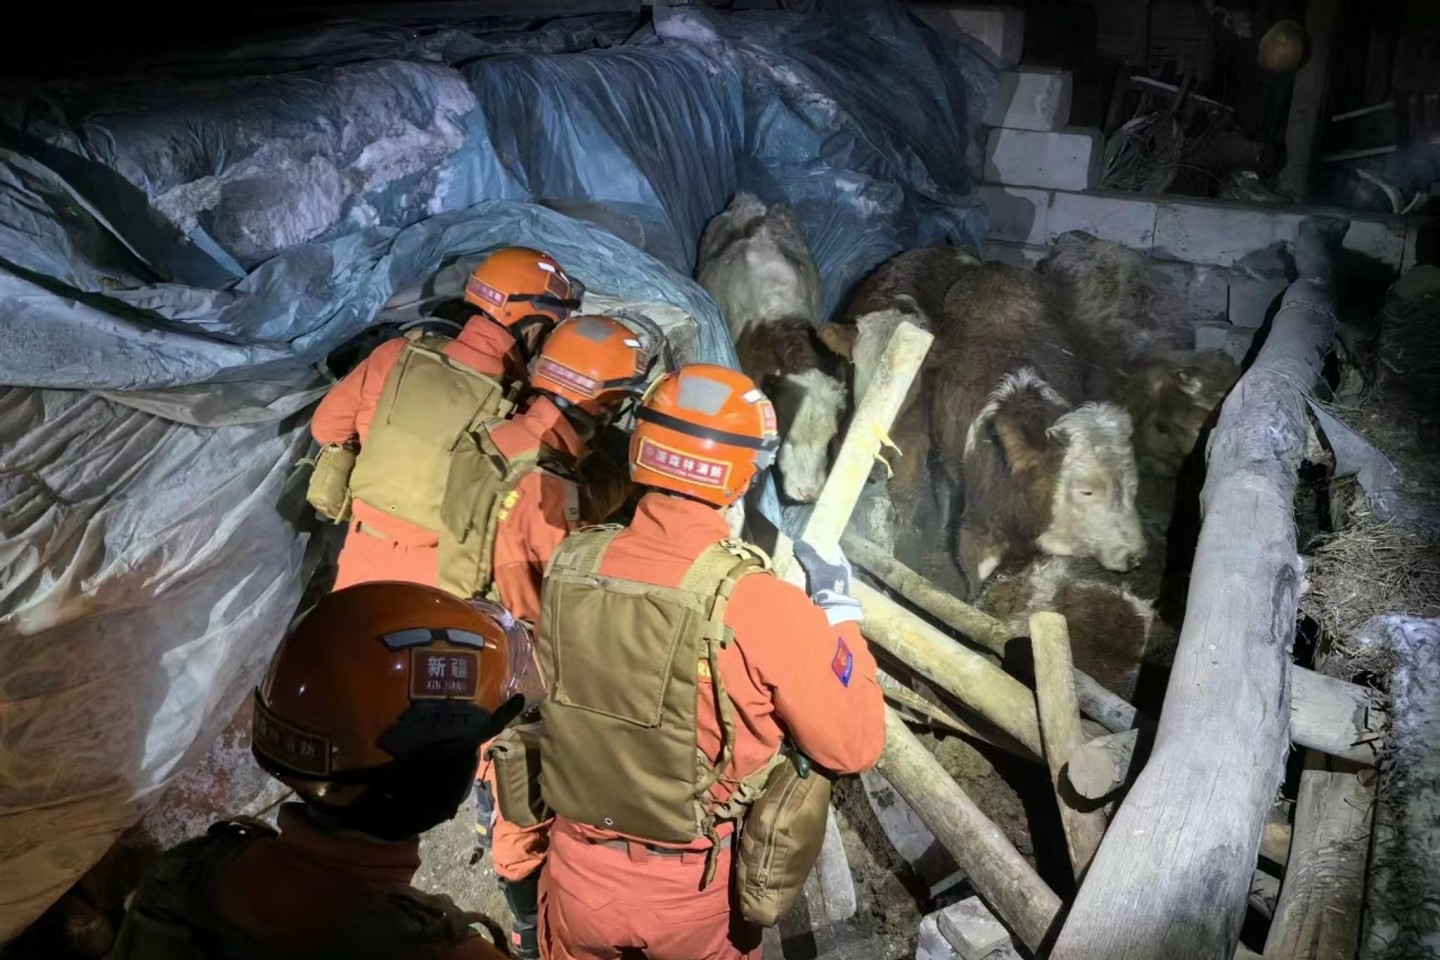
1047, 396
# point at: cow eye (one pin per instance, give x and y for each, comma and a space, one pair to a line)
1085, 493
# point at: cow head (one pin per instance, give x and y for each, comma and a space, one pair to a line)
1172, 403
808, 404
1092, 501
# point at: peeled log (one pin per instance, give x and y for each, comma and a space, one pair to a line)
1323, 896
962, 673
1060, 731
1095, 701
896, 371
994, 867
1327, 715
1099, 767
869, 430
1172, 878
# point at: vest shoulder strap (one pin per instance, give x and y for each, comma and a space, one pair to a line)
579, 554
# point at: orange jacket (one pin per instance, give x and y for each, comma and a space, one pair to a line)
787, 671
345, 413
533, 526
284, 891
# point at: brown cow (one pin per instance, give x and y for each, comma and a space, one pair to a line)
1172, 399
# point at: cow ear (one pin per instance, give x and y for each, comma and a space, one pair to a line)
839, 338
1189, 383
1060, 438
1022, 453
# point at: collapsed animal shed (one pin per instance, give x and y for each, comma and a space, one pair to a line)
171, 315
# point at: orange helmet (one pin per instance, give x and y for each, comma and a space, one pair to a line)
376, 703
705, 431
519, 288
591, 362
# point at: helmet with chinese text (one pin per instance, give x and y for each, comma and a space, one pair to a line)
704, 431
376, 704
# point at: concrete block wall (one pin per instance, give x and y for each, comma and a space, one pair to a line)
1041, 178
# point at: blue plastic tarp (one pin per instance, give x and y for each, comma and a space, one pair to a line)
179, 252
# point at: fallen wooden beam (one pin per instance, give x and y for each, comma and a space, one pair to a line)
923, 710
869, 429
1060, 731
896, 370
981, 628
1323, 896
1173, 876
1334, 717
994, 867
1101, 766
1327, 714
964, 674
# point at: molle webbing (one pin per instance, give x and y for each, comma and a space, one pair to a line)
429, 403
619, 736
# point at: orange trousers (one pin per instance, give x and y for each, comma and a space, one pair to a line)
599, 902
365, 558
515, 852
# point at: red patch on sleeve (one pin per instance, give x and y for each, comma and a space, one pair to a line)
844, 663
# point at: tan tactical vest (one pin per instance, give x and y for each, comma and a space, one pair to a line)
429, 404
479, 494
174, 916
623, 661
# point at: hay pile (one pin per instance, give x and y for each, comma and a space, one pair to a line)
1368, 568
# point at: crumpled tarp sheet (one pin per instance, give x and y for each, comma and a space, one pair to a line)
178, 254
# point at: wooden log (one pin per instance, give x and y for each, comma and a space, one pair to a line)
898, 366
994, 867
922, 710
1307, 99
1101, 766
869, 430
1060, 732
1173, 876
981, 628
1323, 896
1327, 714
964, 674
1334, 717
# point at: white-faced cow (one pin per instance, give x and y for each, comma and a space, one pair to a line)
755, 263
1037, 469
1028, 465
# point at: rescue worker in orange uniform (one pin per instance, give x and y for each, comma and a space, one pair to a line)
405, 404
638, 681
372, 711
524, 499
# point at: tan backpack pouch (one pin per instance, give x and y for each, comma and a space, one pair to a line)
622, 702
427, 407
329, 490
780, 842
516, 758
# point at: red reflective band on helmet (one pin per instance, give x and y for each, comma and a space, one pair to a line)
444, 676
305, 753
484, 291
681, 466
767, 417
575, 380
